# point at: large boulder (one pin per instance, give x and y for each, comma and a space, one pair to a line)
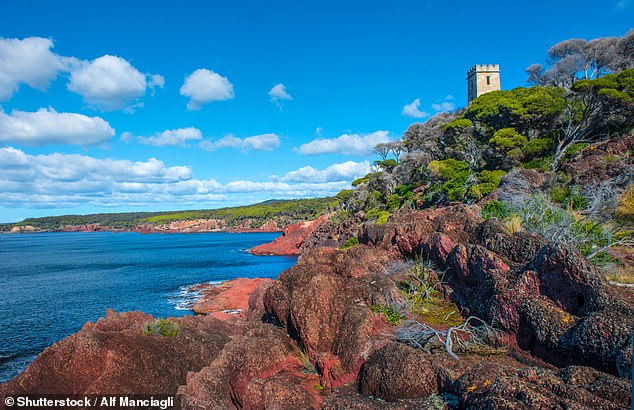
114, 355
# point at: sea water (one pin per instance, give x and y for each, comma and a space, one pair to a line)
52, 283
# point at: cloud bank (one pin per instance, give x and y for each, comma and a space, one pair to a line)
350, 144
176, 137
47, 126
69, 180
263, 142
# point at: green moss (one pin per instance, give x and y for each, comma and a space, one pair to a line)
162, 327
435, 311
391, 315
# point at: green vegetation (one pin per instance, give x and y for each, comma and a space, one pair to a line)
425, 303
377, 215
283, 211
350, 242
162, 327
507, 139
391, 315
496, 209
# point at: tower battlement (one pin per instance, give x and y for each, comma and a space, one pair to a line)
482, 78
479, 68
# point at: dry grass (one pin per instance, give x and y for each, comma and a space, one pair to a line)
622, 275
514, 224
625, 207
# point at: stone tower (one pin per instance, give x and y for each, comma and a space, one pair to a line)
481, 79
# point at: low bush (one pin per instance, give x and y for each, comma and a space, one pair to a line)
351, 242
162, 327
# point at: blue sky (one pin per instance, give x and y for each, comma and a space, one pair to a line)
130, 106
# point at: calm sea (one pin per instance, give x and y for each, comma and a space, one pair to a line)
52, 283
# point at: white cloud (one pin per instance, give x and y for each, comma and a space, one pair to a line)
204, 86
623, 4
263, 142
29, 61
107, 83
351, 144
70, 180
47, 126
178, 137
110, 82
444, 106
278, 93
413, 110
345, 171
156, 80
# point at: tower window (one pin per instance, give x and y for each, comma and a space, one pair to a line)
488, 80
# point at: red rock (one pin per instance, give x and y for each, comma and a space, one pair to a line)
291, 240
229, 300
114, 355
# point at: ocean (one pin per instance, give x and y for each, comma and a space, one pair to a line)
52, 283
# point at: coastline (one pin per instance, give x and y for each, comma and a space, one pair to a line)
319, 329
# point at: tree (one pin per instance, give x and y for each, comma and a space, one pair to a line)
576, 58
594, 109
383, 150
397, 148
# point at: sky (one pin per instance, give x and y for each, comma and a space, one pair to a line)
124, 106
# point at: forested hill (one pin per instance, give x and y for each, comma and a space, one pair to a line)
282, 212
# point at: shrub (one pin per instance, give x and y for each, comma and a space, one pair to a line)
350, 242
403, 189
495, 209
377, 215
458, 123
162, 327
344, 194
538, 147
391, 315
447, 168
575, 149
493, 177
481, 190
507, 139
393, 202
542, 164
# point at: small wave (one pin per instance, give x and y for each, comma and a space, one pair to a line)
186, 296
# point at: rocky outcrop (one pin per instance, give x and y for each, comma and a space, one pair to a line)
547, 298
607, 161
292, 239
323, 302
228, 300
310, 338
333, 233
114, 355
